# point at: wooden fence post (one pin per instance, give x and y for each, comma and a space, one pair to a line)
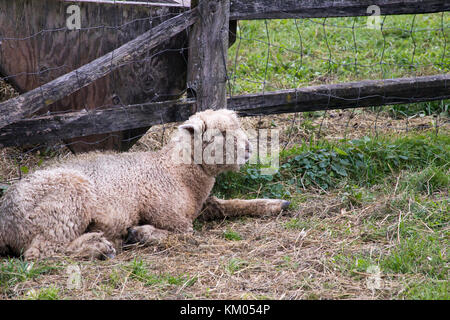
208, 48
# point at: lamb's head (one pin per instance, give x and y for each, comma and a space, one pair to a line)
214, 140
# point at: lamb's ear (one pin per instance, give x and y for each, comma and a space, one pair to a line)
192, 127
188, 126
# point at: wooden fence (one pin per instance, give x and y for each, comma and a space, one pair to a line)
209, 23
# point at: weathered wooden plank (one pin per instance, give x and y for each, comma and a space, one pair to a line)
270, 9
52, 129
366, 93
31, 57
208, 51
285, 9
49, 129
30, 102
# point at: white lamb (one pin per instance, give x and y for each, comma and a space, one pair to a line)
88, 206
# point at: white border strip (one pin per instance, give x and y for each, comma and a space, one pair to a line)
179, 3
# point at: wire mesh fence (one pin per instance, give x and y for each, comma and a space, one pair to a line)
266, 56
280, 54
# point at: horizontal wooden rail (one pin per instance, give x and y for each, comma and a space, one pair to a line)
286, 9
367, 93
49, 129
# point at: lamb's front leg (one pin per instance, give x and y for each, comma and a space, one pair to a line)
215, 208
146, 235
92, 245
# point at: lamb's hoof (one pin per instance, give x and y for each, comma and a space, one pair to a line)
110, 255
285, 204
131, 237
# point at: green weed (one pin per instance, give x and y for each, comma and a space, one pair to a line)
234, 265
13, 271
306, 51
419, 254
139, 271
50, 293
427, 290
232, 235
359, 163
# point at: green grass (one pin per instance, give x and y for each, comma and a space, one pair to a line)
139, 270
418, 254
429, 180
282, 54
427, 290
419, 228
296, 223
308, 51
50, 293
361, 163
14, 271
414, 166
234, 265
115, 279
420, 109
232, 235
415, 255
288, 263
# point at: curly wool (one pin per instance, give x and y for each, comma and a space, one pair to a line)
107, 193
87, 206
